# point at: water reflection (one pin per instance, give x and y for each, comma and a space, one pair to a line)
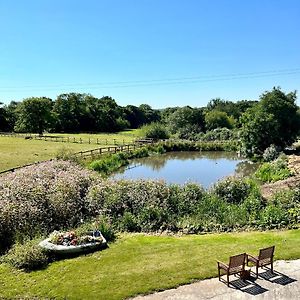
179, 167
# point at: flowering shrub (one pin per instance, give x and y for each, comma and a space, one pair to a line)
41, 198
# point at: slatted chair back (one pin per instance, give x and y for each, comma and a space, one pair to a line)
266, 255
237, 262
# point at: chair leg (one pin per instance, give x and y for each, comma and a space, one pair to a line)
256, 270
272, 267
227, 278
219, 274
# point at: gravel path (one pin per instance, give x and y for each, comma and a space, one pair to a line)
284, 284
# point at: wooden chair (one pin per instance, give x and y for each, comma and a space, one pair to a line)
264, 258
236, 265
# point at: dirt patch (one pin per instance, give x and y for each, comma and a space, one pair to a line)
268, 190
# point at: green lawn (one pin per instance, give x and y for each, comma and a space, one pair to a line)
138, 264
16, 151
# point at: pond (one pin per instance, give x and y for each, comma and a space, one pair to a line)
204, 167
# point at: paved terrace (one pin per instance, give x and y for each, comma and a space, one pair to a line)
284, 284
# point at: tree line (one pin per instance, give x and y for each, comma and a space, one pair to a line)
74, 112
273, 119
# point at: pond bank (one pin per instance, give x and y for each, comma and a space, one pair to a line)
269, 189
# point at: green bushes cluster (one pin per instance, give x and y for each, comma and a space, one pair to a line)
274, 171
27, 256
155, 131
218, 134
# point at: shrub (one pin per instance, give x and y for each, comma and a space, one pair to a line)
273, 217
155, 131
270, 153
109, 163
41, 198
64, 153
218, 134
273, 171
27, 256
232, 190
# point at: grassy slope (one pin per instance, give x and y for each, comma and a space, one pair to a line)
18, 151
140, 264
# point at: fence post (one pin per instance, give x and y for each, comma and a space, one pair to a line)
106, 142
89, 140
80, 140
97, 141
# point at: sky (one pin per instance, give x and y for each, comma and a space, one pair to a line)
160, 52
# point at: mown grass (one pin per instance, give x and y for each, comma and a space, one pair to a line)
139, 264
16, 151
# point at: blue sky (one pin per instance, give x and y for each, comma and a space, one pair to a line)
160, 52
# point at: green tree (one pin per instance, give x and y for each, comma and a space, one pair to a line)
69, 110
12, 114
186, 118
3, 118
274, 120
34, 115
218, 119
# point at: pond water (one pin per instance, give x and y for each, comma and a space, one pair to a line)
204, 168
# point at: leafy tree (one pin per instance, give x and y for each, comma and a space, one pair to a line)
101, 115
232, 109
12, 114
134, 116
150, 115
218, 119
34, 115
69, 110
3, 118
186, 117
258, 131
274, 120
284, 109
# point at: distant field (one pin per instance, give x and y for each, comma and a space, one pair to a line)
16, 151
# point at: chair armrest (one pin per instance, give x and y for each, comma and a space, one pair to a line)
252, 258
222, 266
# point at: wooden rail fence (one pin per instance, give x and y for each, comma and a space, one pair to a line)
64, 139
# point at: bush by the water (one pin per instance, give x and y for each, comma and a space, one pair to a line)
218, 134
271, 153
155, 131
274, 171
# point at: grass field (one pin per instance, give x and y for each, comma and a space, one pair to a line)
138, 264
16, 151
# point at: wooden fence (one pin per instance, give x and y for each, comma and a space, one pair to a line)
64, 139
108, 150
